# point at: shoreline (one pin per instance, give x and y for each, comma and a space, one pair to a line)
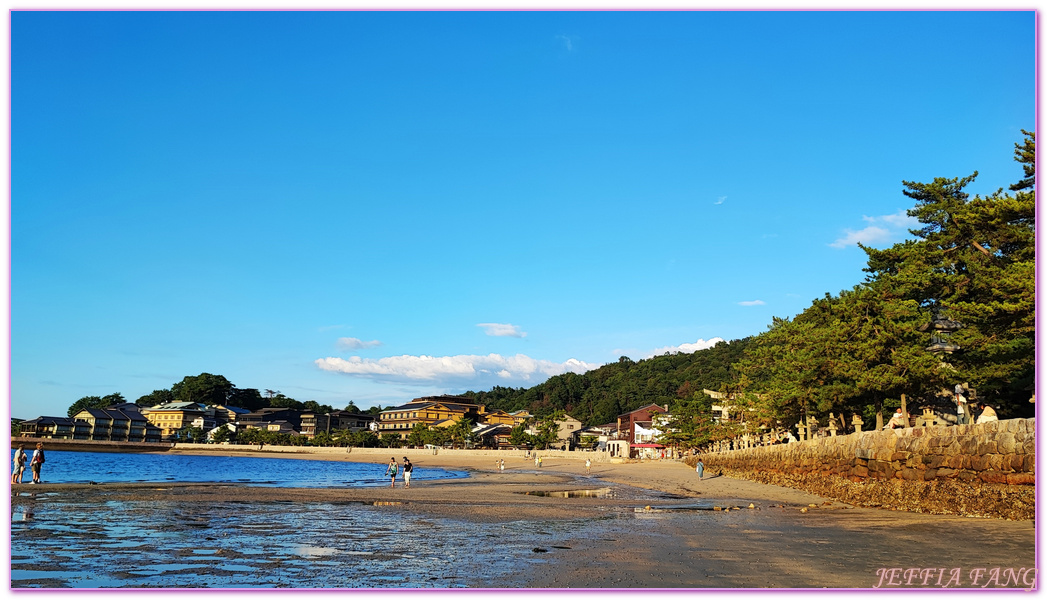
644, 525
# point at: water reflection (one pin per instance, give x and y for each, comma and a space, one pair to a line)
166, 544
600, 493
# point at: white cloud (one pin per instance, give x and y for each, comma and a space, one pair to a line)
687, 348
880, 229
868, 236
461, 369
567, 42
720, 200
502, 330
751, 303
351, 343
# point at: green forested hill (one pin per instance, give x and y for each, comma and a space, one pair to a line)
954, 307
600, 395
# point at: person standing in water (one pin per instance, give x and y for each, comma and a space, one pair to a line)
37, 462
408, 469
391, 471
19, 464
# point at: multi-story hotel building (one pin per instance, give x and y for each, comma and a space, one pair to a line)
434, 411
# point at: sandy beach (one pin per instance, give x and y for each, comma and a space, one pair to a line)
652, 525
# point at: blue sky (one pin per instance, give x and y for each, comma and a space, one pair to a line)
371, 206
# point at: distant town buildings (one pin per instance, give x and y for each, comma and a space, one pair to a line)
173, 416
118, 423
642, 417
437, 411
638, 429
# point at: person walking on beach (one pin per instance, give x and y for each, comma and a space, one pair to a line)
408, 468
391, 471
37, 462
19, 460
700, 469
501, 465
539, 461
588, 466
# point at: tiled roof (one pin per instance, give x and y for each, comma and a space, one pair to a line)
643, 408
348, 415
235, 409
491, 429
444, 399
178, 406
409, 407
51, 421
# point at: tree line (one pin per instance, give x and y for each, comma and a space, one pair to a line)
206, 388
954, 305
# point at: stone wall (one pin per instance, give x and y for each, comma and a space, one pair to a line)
975, 470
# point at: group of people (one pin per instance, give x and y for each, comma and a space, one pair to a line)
987, 415
395, 469
35, 464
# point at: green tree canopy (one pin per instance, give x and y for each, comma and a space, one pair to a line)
95, 402
248, 398
155, 398
520, 438
204, 388
221, 435
974, 263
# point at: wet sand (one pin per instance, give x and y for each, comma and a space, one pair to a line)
652, 525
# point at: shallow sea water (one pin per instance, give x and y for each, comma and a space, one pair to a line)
60, 544
111, 467
57, 542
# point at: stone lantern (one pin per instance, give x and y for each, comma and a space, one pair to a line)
942, 328
857, 422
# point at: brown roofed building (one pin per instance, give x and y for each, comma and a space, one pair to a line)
428, 410
57, 428
436, 411
643, 415
315, 422
121, 423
